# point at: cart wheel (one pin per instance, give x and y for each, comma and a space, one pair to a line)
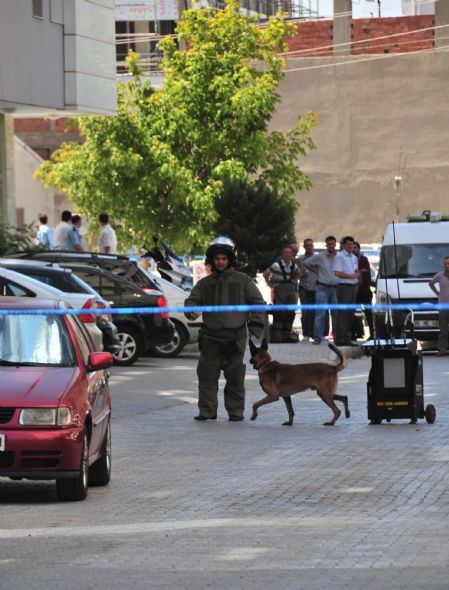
430, 414
376, 421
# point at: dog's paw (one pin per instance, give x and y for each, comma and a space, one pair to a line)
253, 417
348, 414
328, 423
288, 423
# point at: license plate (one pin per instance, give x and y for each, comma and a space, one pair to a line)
426, 324
2, 442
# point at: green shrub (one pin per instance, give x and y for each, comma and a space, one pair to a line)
13, 239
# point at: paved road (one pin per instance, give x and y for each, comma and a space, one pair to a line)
249, 505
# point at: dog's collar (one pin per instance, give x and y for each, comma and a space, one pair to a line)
264, 366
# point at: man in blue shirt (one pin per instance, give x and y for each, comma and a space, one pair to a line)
345, 268
45, 235
65, 236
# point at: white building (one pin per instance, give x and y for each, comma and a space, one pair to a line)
417, 7
57, 58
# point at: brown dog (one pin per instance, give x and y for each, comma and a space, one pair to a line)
282, 380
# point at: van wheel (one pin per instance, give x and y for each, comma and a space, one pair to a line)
75, 489
130, 347
174, 347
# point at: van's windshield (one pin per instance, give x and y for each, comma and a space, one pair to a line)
412, 261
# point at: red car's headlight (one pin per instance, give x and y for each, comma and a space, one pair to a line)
45, 416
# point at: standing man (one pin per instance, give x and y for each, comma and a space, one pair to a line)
307, 289
108, 239
65, 237
346, 270
364, 294
223, 335
45, 234
442, 278
326, 291
283, 277
77, 222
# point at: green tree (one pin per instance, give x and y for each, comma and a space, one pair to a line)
157, 165
242, 215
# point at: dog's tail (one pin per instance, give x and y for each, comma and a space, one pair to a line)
343, 362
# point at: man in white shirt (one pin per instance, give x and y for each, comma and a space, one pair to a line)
326, 291
46, 234
108, 239
346, 269
65, 236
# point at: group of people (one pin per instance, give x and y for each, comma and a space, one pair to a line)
66, 235
328, 277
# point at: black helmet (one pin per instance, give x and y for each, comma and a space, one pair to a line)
221, 245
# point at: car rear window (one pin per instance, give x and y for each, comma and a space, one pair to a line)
10, 288
35, 340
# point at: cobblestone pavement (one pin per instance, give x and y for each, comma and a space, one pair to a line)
248, 505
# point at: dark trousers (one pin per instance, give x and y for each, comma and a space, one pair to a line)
216, 357
284, 293
307, 297
345, 294
443, 320
363, 296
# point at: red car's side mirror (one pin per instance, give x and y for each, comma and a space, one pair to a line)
99, 361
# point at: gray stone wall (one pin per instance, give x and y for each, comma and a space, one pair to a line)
378, 118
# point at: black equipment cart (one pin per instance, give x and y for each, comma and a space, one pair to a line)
395, 383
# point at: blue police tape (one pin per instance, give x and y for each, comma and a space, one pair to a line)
423, 307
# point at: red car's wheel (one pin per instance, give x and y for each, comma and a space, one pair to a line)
75, 489
100, 471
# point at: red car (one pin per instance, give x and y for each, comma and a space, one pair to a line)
55, 404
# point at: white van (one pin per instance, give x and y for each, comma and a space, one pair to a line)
411, 254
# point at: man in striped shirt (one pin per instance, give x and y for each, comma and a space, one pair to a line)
282, 276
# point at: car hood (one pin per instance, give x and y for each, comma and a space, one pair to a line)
34, 386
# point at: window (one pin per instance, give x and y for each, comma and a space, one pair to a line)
124, 33
10, 288
102, 284
42, 278
413, 260
38, 8
82, 338
29, 340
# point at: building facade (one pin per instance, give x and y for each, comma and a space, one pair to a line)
57, 57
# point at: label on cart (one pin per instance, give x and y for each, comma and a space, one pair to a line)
390, 404
2, 442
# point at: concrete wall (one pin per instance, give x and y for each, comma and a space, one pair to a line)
62, 61
31, 196
375, 117
7, 178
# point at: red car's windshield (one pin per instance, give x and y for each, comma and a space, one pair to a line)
35, 340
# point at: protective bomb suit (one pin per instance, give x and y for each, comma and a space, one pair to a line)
223, 336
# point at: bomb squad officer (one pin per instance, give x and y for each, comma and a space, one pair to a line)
223, 336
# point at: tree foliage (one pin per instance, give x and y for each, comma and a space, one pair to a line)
157, 166
258, 222
13, 239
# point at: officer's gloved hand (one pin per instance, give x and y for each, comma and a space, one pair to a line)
191, 315
256, 337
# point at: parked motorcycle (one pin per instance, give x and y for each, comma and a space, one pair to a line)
169, 265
